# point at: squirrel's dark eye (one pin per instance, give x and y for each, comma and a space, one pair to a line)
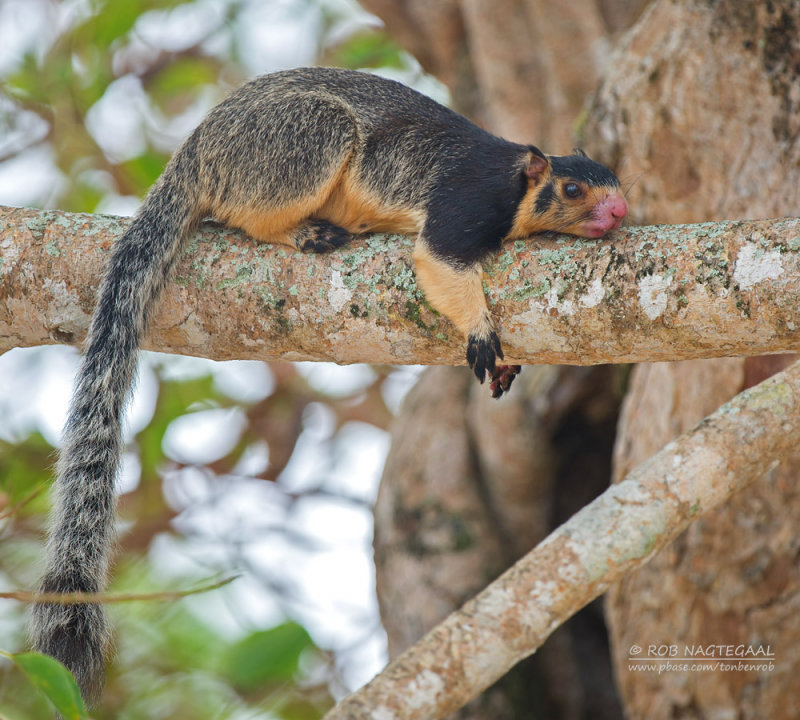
572, 190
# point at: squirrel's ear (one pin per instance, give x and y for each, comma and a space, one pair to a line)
536, 164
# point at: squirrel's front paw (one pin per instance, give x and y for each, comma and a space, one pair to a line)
482, 352
502, 377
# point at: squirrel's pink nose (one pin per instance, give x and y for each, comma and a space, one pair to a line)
607, 215
617, 206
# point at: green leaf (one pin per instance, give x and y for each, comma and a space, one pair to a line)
143, 170
110, 21
367, 49
299, 708
25, 466
182, 75
267, 657
55, 681
25, 81
185, 641
82, 197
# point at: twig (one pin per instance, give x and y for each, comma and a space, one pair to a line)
77, 598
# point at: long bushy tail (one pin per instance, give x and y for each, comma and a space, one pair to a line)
82, 523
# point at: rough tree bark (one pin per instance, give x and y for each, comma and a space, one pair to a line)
520, 67
701, 111
650, 292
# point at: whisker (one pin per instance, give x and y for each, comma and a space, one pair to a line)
626, 185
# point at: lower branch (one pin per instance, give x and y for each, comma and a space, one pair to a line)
746, 438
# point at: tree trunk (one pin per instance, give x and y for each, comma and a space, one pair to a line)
468, 489
700, 113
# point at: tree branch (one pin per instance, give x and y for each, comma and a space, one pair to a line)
746, 438
647, 293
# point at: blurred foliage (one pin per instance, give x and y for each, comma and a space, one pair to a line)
366, 49
53, 89
170, 660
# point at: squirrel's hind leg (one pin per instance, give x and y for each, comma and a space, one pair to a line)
319, 236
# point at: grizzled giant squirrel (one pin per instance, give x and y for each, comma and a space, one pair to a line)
305, 158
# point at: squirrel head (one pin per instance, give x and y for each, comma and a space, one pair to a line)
570, 194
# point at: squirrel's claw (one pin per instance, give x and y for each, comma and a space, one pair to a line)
502, 377
482, 351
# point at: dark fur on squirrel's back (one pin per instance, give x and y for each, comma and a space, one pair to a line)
305, 158
413, 143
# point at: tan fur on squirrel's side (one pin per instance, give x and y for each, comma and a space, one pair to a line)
306, 158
